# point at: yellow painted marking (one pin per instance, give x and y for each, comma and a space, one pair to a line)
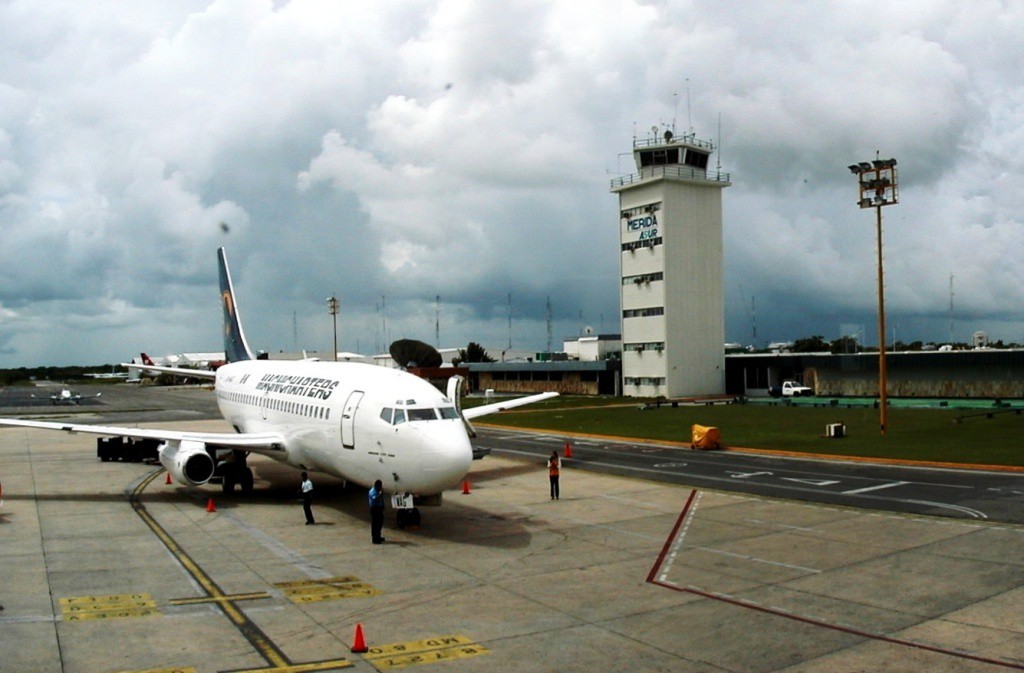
315, 583
101, 607
427, 651
77, 608
328, 665
334, 595
314, 591
417, 646
428, 657
215, 599
112, 598
121, 613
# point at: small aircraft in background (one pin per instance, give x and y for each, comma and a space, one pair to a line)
66, 396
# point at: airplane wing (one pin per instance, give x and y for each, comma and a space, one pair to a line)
177, 371
262, 442
476, 412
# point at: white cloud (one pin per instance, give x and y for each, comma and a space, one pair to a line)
413, 149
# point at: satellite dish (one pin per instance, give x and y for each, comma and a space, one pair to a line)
588, 330
411, 353
654, 130
668, 136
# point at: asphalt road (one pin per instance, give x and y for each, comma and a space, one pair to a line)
958, 494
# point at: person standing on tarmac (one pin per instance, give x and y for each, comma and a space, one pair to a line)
307, 498
553, 464
376, 498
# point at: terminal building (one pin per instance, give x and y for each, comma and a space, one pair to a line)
670, 231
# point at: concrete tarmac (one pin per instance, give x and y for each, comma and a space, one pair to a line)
104, 567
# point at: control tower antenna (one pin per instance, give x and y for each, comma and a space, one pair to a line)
675, 108
689, 118
718, 155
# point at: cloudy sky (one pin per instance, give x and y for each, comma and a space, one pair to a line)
397, 151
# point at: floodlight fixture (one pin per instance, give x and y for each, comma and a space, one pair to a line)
332, 307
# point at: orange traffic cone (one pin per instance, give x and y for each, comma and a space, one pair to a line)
465, 487
568, 450
359, 643
168, 482
209, 505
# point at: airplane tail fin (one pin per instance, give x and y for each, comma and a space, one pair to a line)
235, 346
146, 360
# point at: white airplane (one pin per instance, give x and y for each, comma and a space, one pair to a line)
65, 396
355, 421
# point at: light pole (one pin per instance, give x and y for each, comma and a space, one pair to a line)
878, 187
332, 306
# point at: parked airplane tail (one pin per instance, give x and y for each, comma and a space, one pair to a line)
235, 346
146, 360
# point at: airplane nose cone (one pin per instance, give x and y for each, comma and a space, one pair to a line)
451, 456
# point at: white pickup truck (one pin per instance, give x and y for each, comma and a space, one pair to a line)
790, 389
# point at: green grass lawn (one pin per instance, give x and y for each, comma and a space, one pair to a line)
913, 434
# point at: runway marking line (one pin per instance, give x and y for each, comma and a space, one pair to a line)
326, 665
877, 487
426, 651
213, 599
674, 542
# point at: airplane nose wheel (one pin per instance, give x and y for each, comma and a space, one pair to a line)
407, 518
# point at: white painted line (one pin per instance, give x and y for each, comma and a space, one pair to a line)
879, 487
756, 559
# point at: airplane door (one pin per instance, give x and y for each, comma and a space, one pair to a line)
348, 419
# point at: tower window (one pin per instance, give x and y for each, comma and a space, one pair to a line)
696, 159
661, 157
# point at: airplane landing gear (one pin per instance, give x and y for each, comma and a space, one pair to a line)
236, 472
407, 518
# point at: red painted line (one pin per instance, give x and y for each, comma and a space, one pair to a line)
671, 538
797, 618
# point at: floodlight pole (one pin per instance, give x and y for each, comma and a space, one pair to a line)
882, 379
879, 187
332, 306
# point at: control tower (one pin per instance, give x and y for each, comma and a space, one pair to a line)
670, 231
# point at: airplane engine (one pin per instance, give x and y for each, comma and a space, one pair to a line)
188, 462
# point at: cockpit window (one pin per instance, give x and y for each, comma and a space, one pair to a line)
448, 412
385, 414
422, 415
399, 417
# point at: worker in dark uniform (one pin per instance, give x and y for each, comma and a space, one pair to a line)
376, 498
